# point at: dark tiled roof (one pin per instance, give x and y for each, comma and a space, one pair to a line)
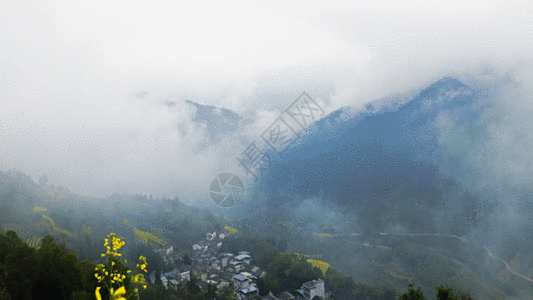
242, 256
240, 277
248, 290
257, 272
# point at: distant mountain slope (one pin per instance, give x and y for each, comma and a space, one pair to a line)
384, 165
218, 120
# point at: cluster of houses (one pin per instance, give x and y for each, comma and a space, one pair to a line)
228, 270
173, 278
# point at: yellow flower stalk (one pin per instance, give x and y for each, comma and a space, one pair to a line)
231, 230
37, 209
145, 236
115, 278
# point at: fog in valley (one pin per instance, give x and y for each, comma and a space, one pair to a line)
408, 125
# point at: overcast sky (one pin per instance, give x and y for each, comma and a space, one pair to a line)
70, 72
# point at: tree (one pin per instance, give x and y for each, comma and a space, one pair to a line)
80, 295
447, 294
271, 241
282, 245
271, 284
211, 291
182, 292
262, 287
192, 285
444, 293
187, 260
58, 274
290, 271
89, 280
344, 287
4, 295
266, 257
413, 294
17, 265
158, 292
383, 292
227, 294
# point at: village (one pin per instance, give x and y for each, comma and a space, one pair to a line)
235, 271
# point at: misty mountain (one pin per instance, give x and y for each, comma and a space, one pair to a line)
218, 121
386, 165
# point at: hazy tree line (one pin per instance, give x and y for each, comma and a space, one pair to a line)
63, 266
48, 272
55, 272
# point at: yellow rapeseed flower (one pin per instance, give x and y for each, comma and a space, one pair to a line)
97, 292
323, 266
113, 244
120, 292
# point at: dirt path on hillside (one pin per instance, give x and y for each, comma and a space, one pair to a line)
448, 235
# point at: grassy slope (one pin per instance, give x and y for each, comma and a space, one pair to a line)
430, 267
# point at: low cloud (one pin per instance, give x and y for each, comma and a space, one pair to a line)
85, 83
